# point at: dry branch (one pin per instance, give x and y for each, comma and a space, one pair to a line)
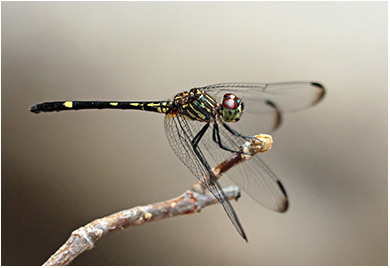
190, 202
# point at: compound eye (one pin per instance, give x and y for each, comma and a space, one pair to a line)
231, 108
230, 101
229, 104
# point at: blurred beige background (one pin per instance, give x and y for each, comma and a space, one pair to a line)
62, 170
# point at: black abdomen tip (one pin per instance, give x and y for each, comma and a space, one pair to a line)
35, 109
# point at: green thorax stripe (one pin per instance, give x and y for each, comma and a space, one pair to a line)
198, 105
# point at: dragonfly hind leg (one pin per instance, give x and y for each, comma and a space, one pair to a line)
213, 186
199, 136
194, 143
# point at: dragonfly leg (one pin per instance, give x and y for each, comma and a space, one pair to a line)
194, 143
199, 136
235, 133
213, 186
217, 140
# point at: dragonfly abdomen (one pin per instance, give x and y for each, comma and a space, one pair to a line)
152, 106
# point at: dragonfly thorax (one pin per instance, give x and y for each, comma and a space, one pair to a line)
231, 108
195, 105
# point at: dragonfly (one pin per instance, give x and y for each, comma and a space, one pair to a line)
211, 119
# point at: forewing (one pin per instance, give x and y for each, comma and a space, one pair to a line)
180, 135
265, 103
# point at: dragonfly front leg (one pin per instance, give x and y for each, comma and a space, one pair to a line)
217, 139
235, 133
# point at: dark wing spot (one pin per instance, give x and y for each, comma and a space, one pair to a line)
317, 85
270, 103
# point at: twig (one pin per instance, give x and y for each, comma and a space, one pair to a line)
190, 202
85, 237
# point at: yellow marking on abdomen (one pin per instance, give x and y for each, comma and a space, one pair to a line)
153, 104
113, 103
134, 104
68, 104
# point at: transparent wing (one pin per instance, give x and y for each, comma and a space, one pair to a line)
253, 176
289, 96
180, 135
265, 103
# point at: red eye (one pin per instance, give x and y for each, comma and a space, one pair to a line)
229, 104
230, 96
230, 101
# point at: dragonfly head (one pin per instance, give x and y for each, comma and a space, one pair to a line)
231, 108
